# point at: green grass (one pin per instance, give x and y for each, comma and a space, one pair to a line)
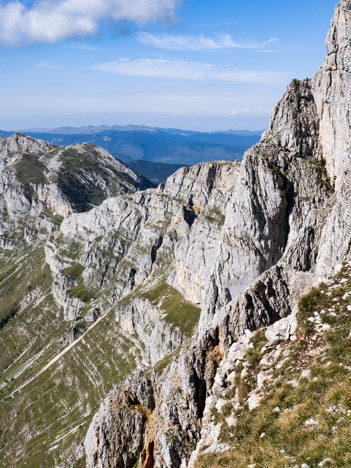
6, 270
163, 363
315, 300
75, 271
81, 292
66, 395
178, 312
77, 178
53, 217
214, 215
254, 354
21, 275
30, 170
69, 249
328, 356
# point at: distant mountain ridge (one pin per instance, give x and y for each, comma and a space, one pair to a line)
167, 146
92, 129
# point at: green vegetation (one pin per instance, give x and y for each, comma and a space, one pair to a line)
9, 316
79, 174
214, 215
163, 363
71, 249
64, 398
54, 218
254, 354
30, 170
21, 275
322, 174
282, 439
315, 300
41, 422
178, 312
7, 270
81, 193
75, 271
81, 292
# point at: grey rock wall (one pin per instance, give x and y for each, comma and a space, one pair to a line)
287, 225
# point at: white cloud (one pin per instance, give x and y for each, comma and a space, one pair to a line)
156, 68
48, 65
55, 20
188, 71
241, 111
201, 42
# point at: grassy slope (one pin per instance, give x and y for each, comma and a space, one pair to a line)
50, 414
325, 396
178, 312
65, 396
30, 170
78, 175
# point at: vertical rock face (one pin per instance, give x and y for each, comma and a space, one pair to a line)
132, 404
287, 224
331, 90
172, 281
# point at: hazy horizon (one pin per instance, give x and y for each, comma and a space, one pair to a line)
169, 63
51, 129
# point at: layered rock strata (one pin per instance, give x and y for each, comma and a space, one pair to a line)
287, 220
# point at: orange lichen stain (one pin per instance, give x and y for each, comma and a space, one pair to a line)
144, 410
196, 208
147, 457
213, 359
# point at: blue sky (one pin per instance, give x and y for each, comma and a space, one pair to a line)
193, 64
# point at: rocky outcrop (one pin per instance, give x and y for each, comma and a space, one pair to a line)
132, 239
44, 183
331, 91
173, 282
285, 225
132, 403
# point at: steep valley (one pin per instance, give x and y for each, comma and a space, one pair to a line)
202, 323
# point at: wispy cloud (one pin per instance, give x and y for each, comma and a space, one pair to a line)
54, 20
49, 65
195, 71
82, 47
222, 23
225, 41
267, 51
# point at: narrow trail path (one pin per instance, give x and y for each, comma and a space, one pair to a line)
57, 357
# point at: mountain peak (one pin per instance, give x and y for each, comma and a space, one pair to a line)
36, 176
190, 311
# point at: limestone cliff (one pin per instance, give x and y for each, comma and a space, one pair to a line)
286, 226
46, 182
151, 301
114, 298
40, 184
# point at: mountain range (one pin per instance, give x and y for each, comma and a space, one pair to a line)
133, 144
205, 322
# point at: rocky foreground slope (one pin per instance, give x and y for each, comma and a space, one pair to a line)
287, 226
179, 305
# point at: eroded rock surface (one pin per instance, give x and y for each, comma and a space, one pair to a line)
172, 283
43, 183
286, 225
